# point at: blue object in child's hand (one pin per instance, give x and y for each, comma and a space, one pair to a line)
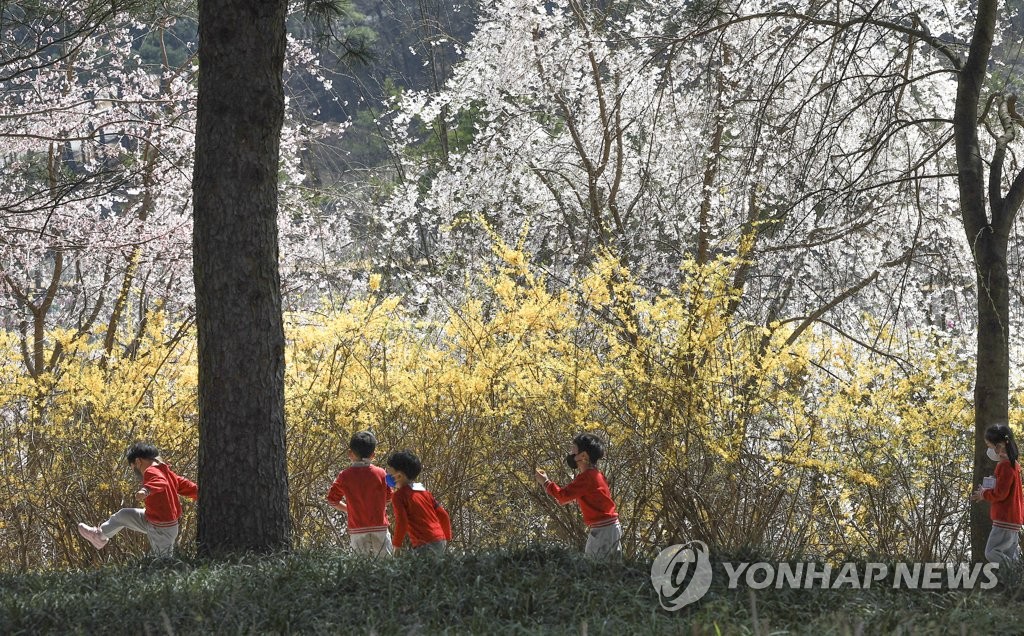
390, 481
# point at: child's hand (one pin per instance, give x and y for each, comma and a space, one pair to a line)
141, 494
341, 506
978, 494
541, 477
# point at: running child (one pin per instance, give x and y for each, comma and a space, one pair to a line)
160, 490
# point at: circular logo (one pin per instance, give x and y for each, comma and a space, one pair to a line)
681, 574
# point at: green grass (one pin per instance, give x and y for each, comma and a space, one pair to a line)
534, 590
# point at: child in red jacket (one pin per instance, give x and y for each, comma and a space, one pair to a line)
366, 493
417, 513
160, 490
591, 490
1006, 499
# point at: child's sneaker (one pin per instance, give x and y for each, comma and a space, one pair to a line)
93, 536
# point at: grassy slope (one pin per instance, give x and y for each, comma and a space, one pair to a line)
531, 590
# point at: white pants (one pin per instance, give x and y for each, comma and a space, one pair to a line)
1003, 546
373, 543
604, 542
161, 539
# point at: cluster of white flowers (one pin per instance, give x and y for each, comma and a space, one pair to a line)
662, 129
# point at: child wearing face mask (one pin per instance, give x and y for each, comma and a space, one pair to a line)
160, 490
590, 489
1006, 499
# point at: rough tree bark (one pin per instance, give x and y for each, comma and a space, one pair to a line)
243, 505
987, 219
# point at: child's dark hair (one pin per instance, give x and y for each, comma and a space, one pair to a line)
591, 445
141, 450
363, 444
1001, 434
405, 461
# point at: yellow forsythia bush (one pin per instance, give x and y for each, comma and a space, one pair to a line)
718, 429
65, 433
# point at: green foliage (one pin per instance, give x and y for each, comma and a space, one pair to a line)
442, 140
178, 41
526, 590
339, 21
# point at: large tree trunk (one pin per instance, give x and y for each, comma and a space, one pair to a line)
987, 237
243, 503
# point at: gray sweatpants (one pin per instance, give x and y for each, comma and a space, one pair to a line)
435, 547
1003, 546
604, 542
161, 540
373, 543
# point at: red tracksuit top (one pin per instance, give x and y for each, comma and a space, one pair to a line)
419, 515
366, 496
1007, 510
593, 494
162, 506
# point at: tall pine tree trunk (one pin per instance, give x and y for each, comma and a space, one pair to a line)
243, 503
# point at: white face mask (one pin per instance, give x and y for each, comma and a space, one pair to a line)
993, 455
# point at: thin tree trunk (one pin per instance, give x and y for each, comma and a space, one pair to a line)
243, 503
992, 386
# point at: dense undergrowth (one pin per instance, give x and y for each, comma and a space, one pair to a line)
530, 590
